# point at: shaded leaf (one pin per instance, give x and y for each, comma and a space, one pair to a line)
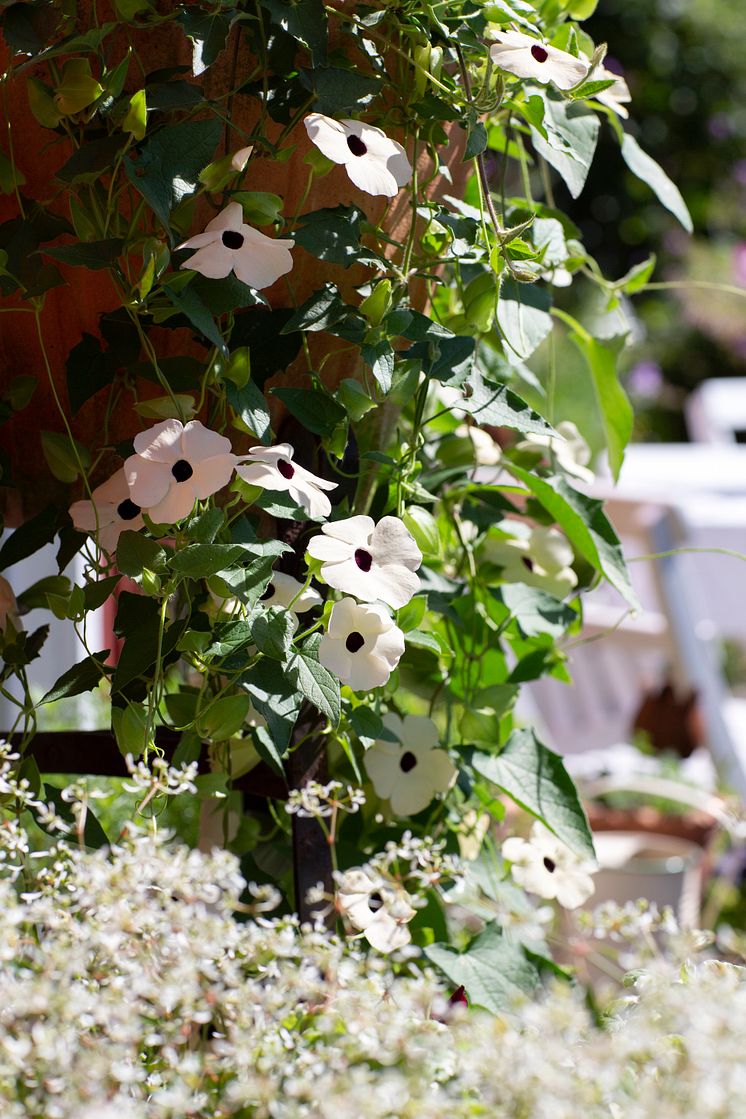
492, 970
644, 167
165, 168
82, 677
536, 779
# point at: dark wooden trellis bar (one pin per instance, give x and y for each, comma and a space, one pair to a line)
95, 752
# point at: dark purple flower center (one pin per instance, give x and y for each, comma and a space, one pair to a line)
286, 468
375, 902
540, 54
356, 145
458, 998
182, 470
354, 642
268, 593
550, 864
127, 510
408, 762
232, 239
363, 559
527, 562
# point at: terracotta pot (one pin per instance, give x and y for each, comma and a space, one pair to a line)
75, 308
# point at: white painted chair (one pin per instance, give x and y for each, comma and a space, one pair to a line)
63, 648
619, 657
716, 411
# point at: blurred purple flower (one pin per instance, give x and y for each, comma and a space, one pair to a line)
739, 263
739, 172
645, 379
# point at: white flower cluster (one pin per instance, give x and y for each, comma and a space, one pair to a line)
318, 801
130, 991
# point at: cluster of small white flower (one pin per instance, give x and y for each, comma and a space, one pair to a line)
130, 991
318, 801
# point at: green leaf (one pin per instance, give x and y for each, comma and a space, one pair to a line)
136, 552
305, 20
583, 521
250, 406
198, 561
202, 528
497, 405
536, 611
130, 726
536, 779
165, 168
77, 89
493, 971
273, 633
38, 595
637, 277
59, 453
340, 91
317, 684
88, 370
424, 528
334, 235
380, 357
181, 708
82, 677
320, 311
41, 103
190, 304
571, 137
224, 717
476, 139
136, 118
10, 177
316, 410
94, 835
29, 537
644, 167
208, 32
614, 407
259, 206
88, 254
523, 316
95, 594
275, 697
90, 160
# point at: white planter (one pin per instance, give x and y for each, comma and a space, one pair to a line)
662, 868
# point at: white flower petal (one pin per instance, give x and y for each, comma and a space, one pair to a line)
373, 177
199, 442
230, 217
211, 475
161, 443
177, 504
214, 261
329, 136
148, 481
261, 266
386, 935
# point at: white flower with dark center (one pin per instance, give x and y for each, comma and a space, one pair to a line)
175, 465
526, 57
380, 910
411, 771
539, 557
368, 560
568, 447
229, 245
284, 590
374, 162
272, 468
545, 866
110, 512
362, 645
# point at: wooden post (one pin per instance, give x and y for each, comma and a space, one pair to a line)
312, 859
